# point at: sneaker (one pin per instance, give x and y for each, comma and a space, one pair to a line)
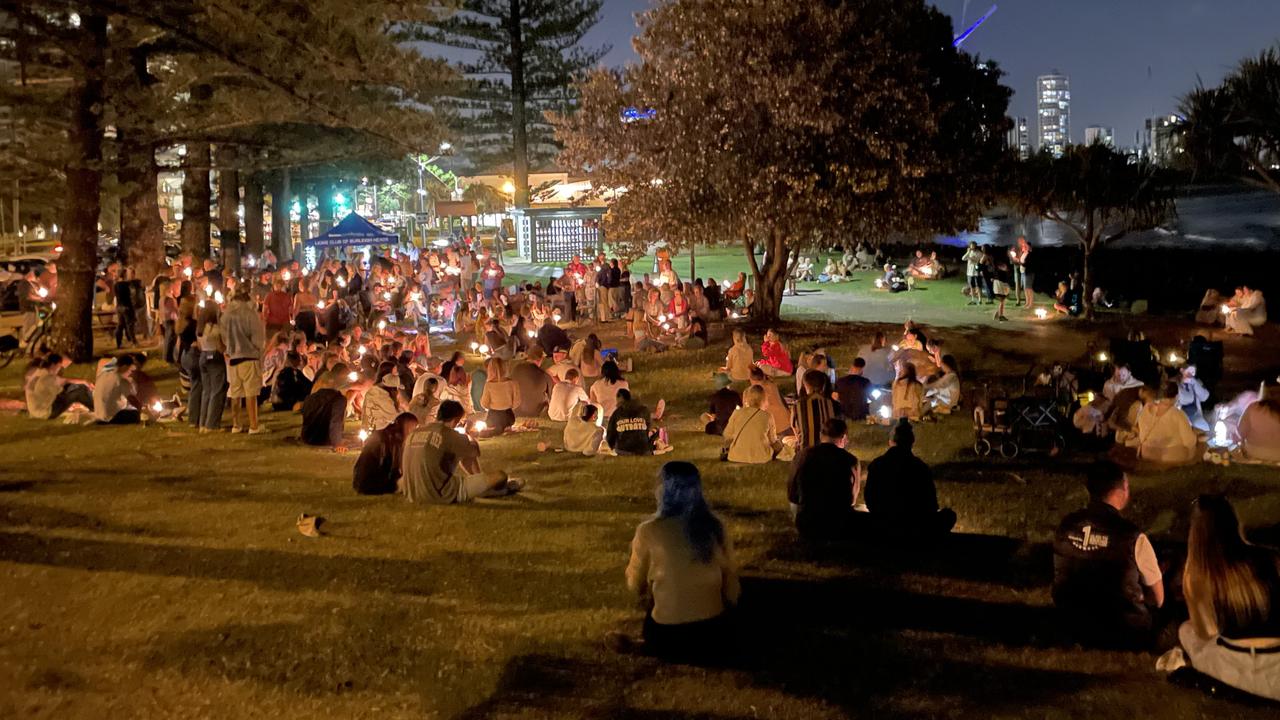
236, 429
258, 430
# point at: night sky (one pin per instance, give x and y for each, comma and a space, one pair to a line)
1106, 46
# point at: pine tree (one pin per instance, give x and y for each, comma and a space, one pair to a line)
529, 55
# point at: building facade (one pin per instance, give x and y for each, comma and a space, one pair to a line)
1053, 104
1161, 139
1018, 138
1100, 134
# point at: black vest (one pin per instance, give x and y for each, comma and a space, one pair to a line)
1094, 569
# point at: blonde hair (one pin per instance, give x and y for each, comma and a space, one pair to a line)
754, 397
1227, 575
496, 369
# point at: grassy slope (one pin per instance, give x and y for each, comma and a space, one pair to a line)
152, 572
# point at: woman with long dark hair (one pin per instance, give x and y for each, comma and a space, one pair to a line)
682, 568
1233, 595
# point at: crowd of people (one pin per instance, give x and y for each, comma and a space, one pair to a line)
346, 348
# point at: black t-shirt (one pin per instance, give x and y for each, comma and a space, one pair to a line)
853, 396
723, 402
552, 338
378, 466
322, 415
628, 430
821, 480
290, 388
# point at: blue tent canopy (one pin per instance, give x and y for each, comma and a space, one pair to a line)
353, 231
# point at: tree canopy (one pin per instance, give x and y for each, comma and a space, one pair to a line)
792, 126
1097, 194
1235, 128
523, 57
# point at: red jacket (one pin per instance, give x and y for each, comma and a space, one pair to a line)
774, 355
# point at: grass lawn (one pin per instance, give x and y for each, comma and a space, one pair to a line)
156, 573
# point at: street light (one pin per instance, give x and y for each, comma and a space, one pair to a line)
509, 187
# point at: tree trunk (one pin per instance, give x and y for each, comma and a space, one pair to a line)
229, 209
1087, 281
281, 225
72, 326
324, 207
196, 197
304, 218
141, 230
253, 201
519, 131
771, 279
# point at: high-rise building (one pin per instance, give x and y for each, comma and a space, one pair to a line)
1100, 134
1019, 137
1053, 102
1161, 140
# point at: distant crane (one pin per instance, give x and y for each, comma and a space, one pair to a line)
965, 35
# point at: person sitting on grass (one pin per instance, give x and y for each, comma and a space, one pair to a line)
1233, 596
629, 428
1258, 428
381, 403
378, 468
774, 404
823, 485
740, 359
112, 392
291, 386
812, 410
1245, 312
604, 392
775, 361
908, 394
501, 398
48, 394
1106, 578
878, 359
851, 392
750, 436
565, 396
943, 391
1165, 435
682, 568
442, 463
900, 493
326, 407
721, 405
583, 434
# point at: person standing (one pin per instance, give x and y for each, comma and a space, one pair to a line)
1106, 578
126, 311
1021, 275
245, 336
973, 258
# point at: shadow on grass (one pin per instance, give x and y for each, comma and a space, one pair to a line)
467, 575
838, 642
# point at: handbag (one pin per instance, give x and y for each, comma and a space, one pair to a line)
724, 451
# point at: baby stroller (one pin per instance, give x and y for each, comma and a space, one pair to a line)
1031, 423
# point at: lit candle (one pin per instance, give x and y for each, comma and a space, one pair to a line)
187, 271
362, 350
386, 296
364, 435
480, 426
1173, 358
483, 349
475, 345
217, 296
286, 275
1226, 309
885, 412
1042, 313
382, 324
157, 406
319, 304
353, 376
43, 292
208, 288
1102, 357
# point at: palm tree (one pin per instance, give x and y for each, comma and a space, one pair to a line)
1235, 128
